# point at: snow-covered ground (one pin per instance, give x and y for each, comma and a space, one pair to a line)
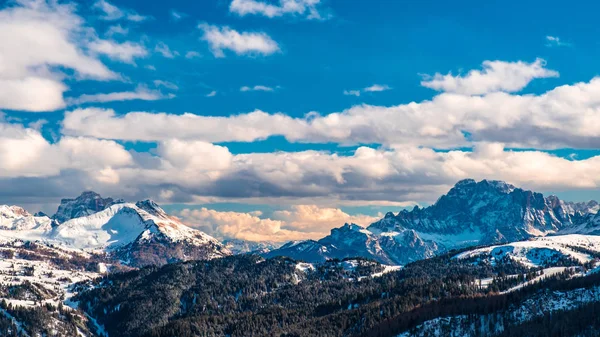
51, 280
536, 306
536, 252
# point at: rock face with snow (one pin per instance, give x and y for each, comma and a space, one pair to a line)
136, 234
471, 213
86, 204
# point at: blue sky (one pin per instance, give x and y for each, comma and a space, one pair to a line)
354, 107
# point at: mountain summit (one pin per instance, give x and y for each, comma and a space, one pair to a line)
471, 213
87, 203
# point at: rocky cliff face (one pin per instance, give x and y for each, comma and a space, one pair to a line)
86, 204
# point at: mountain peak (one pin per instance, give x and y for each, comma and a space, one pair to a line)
151, 207
87, 203
471, 184
389, 215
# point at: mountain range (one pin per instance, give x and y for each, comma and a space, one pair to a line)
470, 214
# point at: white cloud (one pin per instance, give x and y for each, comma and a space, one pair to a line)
192, 54
176, 15
373, 88
256, 88
166, 84
125, 52
116, 30
140, 93
25, 153
244, 226
17, 94
300, 222
307, 8
35, 39
376, 88
111, 12
402, 174
165, 51
566, 116
555, 41
149, 126
212, 94
495, 76
352, 93
244, 43
313, 218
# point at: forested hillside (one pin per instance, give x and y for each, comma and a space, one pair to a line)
250, 296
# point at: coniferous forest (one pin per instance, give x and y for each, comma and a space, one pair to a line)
249, 296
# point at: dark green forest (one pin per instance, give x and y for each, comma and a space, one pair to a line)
250, 296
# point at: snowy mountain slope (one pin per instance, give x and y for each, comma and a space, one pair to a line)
539, 251
471, 213
15, 218
37, 283
137, 234
122, 224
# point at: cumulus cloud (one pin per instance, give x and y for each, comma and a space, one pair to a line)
245, 43
401, 175
566, 116
307, 8
104, 123
24, 152
212, 94
140, 93
300, 222
495, 76
196, 169
36, 37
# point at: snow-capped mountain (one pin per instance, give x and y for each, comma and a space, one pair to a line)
136, 234
471, 213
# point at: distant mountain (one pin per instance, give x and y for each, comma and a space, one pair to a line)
237, 246
136, 234
87, 203
471, 213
